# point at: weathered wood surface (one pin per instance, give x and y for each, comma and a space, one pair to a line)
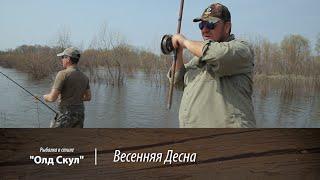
221, 153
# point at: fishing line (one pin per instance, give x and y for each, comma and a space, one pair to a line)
31, 94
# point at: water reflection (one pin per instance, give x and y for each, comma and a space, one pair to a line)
138, 104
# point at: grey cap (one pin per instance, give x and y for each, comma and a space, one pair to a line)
71, 52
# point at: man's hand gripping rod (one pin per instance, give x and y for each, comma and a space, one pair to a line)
175, 57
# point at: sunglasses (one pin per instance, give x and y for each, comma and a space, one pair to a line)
62, 57
207, 24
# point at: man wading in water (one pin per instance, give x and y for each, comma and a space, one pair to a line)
72, 88
218, 80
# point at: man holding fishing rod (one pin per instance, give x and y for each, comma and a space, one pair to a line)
218, 80
72, 88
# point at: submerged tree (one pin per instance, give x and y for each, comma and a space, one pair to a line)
295, 48
64, 38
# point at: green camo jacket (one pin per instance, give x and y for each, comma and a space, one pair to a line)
218, 87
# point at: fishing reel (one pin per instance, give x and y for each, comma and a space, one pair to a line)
166, 44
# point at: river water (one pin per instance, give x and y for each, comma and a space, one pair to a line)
139, 104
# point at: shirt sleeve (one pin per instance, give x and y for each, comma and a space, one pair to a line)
228, 58
59, 81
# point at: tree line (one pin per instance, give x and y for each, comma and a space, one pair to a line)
111, 60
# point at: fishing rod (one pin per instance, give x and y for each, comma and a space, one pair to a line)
57, 114
167, 48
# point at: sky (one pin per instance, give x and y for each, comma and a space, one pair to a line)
143, 22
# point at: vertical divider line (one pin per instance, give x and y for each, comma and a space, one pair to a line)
95, 156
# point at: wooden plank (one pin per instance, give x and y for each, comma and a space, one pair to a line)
221, 153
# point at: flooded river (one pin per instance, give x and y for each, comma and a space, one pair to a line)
138, 104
